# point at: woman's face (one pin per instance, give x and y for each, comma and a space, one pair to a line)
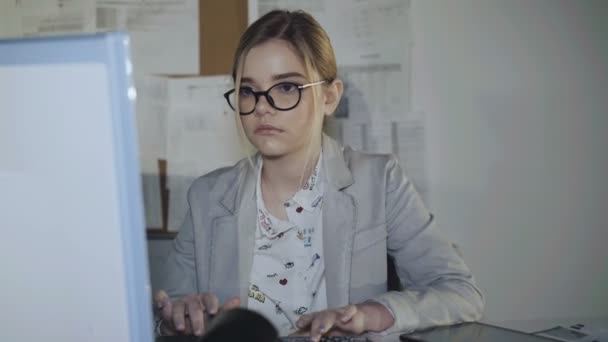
276, 133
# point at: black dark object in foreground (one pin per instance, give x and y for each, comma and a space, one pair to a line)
248, 326
240, 325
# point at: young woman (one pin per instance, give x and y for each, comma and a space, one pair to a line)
300, 232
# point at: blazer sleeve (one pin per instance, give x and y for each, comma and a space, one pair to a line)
439, 288
180, 278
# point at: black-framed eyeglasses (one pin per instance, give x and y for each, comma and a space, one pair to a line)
281, 96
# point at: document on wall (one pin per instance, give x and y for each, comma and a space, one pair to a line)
202, 136
406, 139
363, 32
164, 33
409, 139
50, 17
151, 109
375, 93
9, 22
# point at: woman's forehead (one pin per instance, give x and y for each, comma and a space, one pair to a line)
267, 61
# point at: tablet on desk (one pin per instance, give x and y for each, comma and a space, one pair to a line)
472, 332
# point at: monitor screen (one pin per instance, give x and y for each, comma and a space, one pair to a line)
73, 249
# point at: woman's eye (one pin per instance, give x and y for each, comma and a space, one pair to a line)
245, 91
287, 87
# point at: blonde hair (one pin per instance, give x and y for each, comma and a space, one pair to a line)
310, 43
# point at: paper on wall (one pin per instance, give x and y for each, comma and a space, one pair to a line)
406, 139
376, 93
202, 136
363, 32
164, 33
47, 17
9, 23
151, 109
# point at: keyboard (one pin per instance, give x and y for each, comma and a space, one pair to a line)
281, 339
326, 339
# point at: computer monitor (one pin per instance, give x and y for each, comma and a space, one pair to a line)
73, 252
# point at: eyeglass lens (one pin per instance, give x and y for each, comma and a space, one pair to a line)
282, 96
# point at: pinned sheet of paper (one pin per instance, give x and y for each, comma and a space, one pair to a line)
152, 114
164, 33
202, 136
49, 17
406, 139
363, 32
375, 93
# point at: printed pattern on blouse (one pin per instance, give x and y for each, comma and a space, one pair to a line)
288, 273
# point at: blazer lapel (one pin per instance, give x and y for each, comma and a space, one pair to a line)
240, 201
339, 221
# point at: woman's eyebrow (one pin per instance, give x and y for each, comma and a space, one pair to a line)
287, 75
277, 77
247, 80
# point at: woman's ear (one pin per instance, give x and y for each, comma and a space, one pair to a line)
333, 94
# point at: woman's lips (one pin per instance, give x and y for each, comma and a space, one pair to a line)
267, 130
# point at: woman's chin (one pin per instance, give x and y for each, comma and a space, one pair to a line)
269, 148
271, 153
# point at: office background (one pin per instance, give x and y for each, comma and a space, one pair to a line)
516, 111
516, 102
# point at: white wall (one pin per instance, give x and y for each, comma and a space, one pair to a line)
516, 93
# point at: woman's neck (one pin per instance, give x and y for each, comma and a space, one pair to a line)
284, 176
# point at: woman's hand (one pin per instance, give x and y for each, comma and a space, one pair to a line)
189, 315
347, 320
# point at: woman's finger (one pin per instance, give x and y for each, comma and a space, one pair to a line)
304, 321
163, 303
347, 313
321, 324
196, 315
231, 303
210, 303
178, 315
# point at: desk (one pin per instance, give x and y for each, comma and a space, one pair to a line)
469, 332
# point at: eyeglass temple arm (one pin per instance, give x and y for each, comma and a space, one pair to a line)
311, 84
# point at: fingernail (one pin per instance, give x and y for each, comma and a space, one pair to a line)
180, 327
322, 328
198, 332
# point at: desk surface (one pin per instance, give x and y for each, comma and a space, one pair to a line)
476, 332
470, 332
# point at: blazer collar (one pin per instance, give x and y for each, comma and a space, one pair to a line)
243, 189
336, 173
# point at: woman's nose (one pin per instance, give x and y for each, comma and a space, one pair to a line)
263, 106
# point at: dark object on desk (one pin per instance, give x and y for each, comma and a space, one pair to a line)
246, 325
326, 339
472, 332
240, 325
281, 339
406, 338
233, 325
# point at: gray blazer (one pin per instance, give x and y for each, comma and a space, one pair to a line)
369, 209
